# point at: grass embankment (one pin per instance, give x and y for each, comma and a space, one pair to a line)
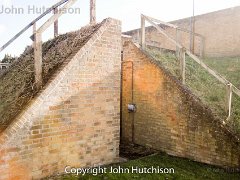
183, 169
230, 69
17, 84
205, 86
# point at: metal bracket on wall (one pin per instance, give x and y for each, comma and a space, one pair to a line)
132, 108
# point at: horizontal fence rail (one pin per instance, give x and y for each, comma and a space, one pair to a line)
173, 26
178, 30
49, 10
37, 33
230, 87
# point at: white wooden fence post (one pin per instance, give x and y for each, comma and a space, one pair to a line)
38, 59
34, 32
143, 36
177, 40
229, 99
92, 12
182, 57
56, 24
202, 47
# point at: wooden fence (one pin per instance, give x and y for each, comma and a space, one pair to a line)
182, 53
37, 33
178, 31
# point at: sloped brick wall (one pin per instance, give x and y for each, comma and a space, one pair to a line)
169, 117
75, 120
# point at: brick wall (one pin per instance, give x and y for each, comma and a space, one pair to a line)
157, 39
169, 117
75, 120
220, 30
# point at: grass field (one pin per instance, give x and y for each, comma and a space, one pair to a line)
205, 86
183, 169
230, 69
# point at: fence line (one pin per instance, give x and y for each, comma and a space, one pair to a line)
55, 6
178, 29
230, 87
37, 33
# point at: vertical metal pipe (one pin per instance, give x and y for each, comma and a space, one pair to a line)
192, 29
132, 94
133, 120
121, 99
190, 35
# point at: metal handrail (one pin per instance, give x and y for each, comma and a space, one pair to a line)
32, 23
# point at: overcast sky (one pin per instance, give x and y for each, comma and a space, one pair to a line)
128, 11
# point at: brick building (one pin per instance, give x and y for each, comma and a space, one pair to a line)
219, 29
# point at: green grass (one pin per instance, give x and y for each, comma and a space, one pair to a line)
184, 169
228, 67
205, 86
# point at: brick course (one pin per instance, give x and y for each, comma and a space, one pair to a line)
75, 119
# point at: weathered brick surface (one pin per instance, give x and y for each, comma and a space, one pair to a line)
220, 30
168, 116
157, 39
75, 119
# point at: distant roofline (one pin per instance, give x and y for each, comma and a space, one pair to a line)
206, 14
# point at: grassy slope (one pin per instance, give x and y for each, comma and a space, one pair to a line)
230, 69
205, 86
184, 169
17, 85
